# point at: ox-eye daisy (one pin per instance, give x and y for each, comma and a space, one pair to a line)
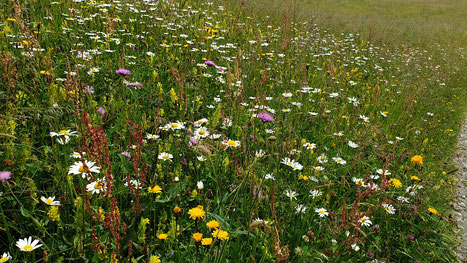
27, 244
83, 168
49, 201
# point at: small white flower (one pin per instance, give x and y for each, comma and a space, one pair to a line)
231, 143
365, 221
27, 244
339, 160
389, 208
260, 153
269, 176
152, 137
309, 146
291, 194
322, 159
165, 156
321, 212
403, 199
83, 168
95, 187
5, 257
49, 201
300, 209
355, 247
201, 158
352, 144
200, 185
315, 193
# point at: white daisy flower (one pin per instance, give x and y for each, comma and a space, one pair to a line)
315, 193
63, 136
49, 201
389, 208
201, 132
27, 244
201, 158
321, 212
269, 176
165, 156
152, 136
96, 187
79, 168
322, 158
200, 122
309, 146
291, 194
75, 155
339, 160
231, 143
352, 144
355, 247
5, 257
365, 221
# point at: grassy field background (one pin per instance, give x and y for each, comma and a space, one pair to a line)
421, 23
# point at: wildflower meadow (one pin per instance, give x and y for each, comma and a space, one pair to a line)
196, 131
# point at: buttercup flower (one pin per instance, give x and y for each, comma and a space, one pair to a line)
155, 190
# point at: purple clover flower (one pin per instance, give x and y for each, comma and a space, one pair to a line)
89, 89
209, 63
100, 111
123, 72
126, 154
265, 117
5, 175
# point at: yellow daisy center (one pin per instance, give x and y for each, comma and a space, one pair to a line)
321, 212
174, 125
231, 143
27, 248
49, 201
98, 186
202, 132
63, 132
82, 169
165, 156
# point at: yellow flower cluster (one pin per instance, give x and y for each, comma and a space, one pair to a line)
53, 213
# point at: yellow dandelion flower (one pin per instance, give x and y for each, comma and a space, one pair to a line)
197, 212
162, 236
206, 241
220, 234
395, 182
417, 159
433, 211
197, 237
213, 224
